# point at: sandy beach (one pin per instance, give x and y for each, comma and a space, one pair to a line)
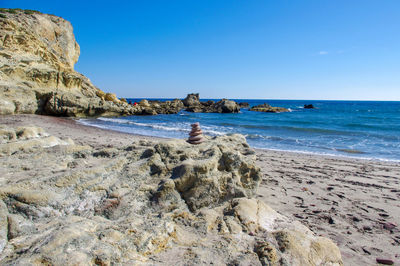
353, 202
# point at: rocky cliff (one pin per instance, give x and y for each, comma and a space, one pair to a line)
147, 203
37, 57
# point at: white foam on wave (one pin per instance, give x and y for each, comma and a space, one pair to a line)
177, 127
115, 120
155, 126
212, 130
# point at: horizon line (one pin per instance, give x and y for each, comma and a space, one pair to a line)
274, 99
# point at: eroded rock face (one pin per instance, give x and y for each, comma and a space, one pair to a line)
191, 99
37, 57
226, 106
148, 203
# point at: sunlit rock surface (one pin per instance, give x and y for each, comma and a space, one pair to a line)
37, 56
150, 202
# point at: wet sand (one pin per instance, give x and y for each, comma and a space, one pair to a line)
354, 202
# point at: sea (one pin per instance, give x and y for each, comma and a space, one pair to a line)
360, 129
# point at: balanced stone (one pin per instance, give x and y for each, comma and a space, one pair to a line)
195, 138
196, 134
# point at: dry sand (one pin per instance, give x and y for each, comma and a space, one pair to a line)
354, 202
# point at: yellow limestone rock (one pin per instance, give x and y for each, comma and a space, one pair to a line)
153, 202
37, 58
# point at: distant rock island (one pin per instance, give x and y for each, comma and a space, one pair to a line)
268, 108
309, 106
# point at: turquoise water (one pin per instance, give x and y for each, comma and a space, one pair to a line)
345, 128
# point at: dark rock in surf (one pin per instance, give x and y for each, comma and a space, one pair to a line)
309, 106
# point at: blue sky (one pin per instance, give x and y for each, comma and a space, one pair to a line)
312, 49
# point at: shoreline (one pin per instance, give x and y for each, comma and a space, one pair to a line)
332, 156
349, 200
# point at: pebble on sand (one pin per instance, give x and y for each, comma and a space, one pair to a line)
384, 261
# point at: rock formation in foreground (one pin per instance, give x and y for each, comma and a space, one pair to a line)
167, 203
37, 57
268, 108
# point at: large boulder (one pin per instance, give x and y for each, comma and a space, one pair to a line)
191, 100
226, 106
37, 57
224, 174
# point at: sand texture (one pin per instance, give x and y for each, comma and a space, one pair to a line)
356, 203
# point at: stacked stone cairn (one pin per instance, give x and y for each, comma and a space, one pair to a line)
196, 135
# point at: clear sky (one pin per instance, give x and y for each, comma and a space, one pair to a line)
305, 49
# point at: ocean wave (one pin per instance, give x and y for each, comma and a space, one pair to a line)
336, 130
290, 128
258, 136
182, 127
115, 120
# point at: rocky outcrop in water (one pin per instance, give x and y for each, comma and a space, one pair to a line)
309, 106
268, 108
192, 104
37, 57
244, 105
167, 202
